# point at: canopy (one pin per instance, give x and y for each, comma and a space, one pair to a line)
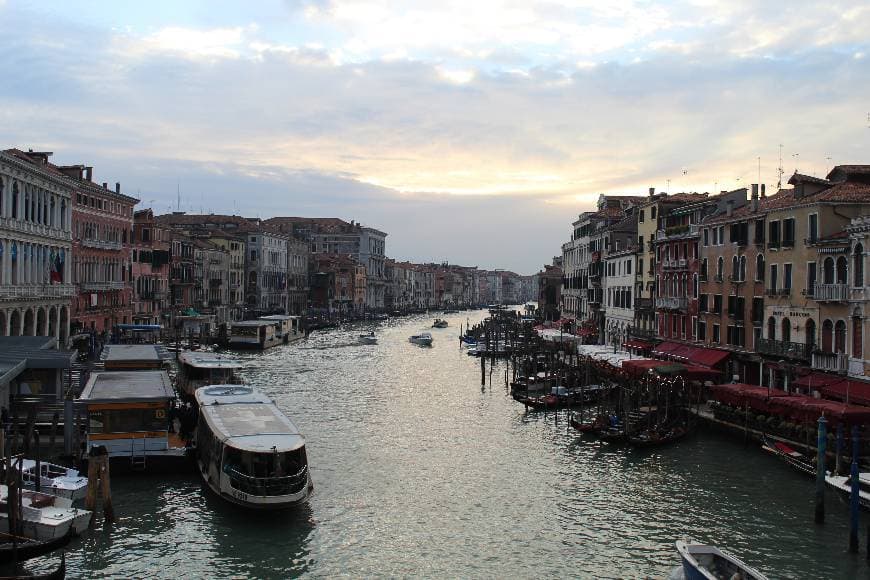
638, 344
782, 404
190, 312
705, 357
140, 327
663, 367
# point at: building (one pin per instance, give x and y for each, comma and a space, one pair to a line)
149, 268
102, 222
211, 288
35, 246
619, 288
181, 276
332, 283
550, 289
234, 246
297, 276
266, 271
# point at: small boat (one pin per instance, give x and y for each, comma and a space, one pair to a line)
794, 458
439, 323
423, 339
54, 479
44, 516
27, 548
843, 484
658, 436
369, 338
468, 339
58, 573
579, 424
704, 562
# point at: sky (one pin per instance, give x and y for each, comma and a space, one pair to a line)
471, 132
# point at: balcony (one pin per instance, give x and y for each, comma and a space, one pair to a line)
829, 361
784, 349
47, 291
831, 292
641, 333
671, 303
36, 229
771, 292
215, 282
736, 279
102, 244
784, 292
643, 304
102, 286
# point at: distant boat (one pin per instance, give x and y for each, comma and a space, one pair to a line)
423, 339
369, 338
704, 562
439, 323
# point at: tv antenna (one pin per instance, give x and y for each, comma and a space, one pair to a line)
779, 171
796, 160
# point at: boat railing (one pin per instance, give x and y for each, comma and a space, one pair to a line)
268, 486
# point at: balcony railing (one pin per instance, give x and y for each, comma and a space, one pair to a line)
46, 291
671, 302
643, 303
831, 292
785, 349
102, 244
644, 333
736, 279
37, 229
829, 361
98, 286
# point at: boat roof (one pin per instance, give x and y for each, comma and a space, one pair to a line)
207, 360
115, 353
128, 386
278, 317
247, 419
253, 323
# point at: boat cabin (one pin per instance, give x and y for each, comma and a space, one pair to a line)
287, 328
254, 334
128, 412
135, 357
199, 368
248, 451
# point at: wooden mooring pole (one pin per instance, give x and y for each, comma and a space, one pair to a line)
853, 497
98, 477
820, 470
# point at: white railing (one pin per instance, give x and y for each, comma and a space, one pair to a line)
682, 262
96, 286
102, 244
831, 292
40, 291
35, 229
834, 362
671, 302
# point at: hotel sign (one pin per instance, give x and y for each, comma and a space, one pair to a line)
780, 312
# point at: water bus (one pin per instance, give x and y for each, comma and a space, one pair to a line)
260, 334
248, 451
287, 328
200, 368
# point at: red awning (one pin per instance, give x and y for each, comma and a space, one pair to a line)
705, 357
709, 357
853, 391
586, 332
818, 380
638, 344
800, 407
691, 372
665, 348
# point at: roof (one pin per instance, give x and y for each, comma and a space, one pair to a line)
208, 360
250, 323
279, 317
38, 342
114, 353
246, 419
128, 386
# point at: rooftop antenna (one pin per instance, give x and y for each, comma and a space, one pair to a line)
779, 171
759, 171
178, 194
796, 159
669, 187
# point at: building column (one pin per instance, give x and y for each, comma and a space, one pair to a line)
57, 324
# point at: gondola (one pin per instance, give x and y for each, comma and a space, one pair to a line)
28, 549
794, 458
586, 426
657, 437
57, 574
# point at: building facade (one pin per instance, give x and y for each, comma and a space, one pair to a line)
150, 269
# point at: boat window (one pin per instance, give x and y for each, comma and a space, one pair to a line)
128, 420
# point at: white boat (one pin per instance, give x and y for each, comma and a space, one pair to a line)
423, 339
54, 479
439, 323
704, 562
843, 484
199, 368
261, 334
44, 516
369, 338
248, 451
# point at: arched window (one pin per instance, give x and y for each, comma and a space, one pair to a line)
840, 336
742, 268
842, 275
759, 267
828, 270
771, 328
810, 338
15, 199
695, 286
704, 268
786, 330
720, 268
857, 268
827, 336
857, 337
735, 268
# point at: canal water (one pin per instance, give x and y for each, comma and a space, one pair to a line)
419, 471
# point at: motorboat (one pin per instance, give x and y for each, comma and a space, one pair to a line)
423, 339
439, 323
44, 516
369, 338
248, 452
705, 562
843, 484
54, 479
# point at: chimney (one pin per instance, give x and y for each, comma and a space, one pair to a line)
652, 191
105, 185
762, 190
754, 202
89, 173
117, 187
729, 207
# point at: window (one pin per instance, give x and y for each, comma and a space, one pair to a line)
640, 265
706, 237
628, 267
716, 333
757, 310
812, 228
828, 271
773, 234
810, 338
858, 266
786, 330
720, 268
717, 304
771, 328
759, 231
640, 216
773, 277
786, 276
811, 279
840, 336
702, 330
788, 232
702, 303
652, 212
721, 235
704, 269
842, 276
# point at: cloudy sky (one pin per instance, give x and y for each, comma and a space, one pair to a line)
472, 132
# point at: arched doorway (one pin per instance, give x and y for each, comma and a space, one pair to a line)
840, 336
3, 321
786, 330
41, 322
810, 339
64, 324
15, 323
827, 336
771, 328
28, 322
52, 321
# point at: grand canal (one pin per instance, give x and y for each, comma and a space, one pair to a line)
421, 472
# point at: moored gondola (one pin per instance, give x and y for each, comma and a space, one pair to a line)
26, 548
57, 574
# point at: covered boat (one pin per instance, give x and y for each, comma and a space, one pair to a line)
54, 479
704, 562
843, 484
248, 452
439, 323
423, 339
44, 516
369, 338
200, 368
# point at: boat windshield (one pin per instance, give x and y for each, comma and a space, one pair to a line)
266, 474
